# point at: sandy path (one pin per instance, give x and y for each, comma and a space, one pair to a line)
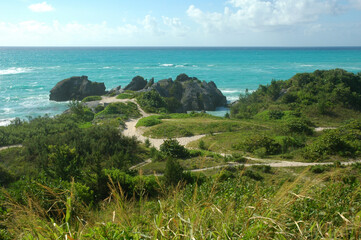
320, 129
130, 130
12, 146
272, 164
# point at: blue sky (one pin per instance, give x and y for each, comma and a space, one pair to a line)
180, 23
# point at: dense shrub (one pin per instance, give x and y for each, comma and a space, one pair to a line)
332, 142
151, 102
5, 177
254, 143
252, 174
171, 147
299, 125
173, 172
320, 90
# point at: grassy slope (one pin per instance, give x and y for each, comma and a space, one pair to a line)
287, 204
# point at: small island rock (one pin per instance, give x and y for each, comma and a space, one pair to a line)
76, 88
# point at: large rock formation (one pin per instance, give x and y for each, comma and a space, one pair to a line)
76, 88
137, 83
191, 93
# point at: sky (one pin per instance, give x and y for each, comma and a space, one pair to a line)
180, 23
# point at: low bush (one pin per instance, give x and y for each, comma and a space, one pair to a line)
125, 96
127, 110
149, 121
257, 143
252, 174
299, 125
92, 98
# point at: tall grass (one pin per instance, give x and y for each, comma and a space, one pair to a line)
306, 208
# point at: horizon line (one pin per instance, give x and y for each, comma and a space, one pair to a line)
331, 46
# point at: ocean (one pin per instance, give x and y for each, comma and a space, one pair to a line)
28, 74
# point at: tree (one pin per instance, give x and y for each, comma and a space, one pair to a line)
172, 148
64, 162
173, 172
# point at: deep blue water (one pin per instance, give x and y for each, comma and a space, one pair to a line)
28, 74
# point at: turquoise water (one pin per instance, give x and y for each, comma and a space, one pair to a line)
28, 74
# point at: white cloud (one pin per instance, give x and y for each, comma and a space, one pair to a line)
355, 3
150, 24
35, 33
148, 31
175, 25
41, 7
263, 14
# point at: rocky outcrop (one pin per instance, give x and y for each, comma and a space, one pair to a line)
137, 83
191, 93
115, 91
76, 88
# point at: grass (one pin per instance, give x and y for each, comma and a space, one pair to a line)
149, 121
305, 206
125, 96
124, 110
92, 98
183, 127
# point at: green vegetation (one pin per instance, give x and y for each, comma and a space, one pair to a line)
76, 176
321, 93
172, 148
152, 102
149, 121
125, 96
92, 98
115, 113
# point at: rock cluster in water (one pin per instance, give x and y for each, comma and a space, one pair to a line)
76, 88
190, 92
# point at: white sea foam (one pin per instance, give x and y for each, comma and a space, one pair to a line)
232, 98
7, 110
34, 101
14, 70
167, 65
306, 65
107, 67
230, 91
5, 122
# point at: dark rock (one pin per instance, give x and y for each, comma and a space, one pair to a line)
76, 88
184, 77
116, 90
137, 83
150, 83
191, 93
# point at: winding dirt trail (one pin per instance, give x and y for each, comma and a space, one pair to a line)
130, 130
